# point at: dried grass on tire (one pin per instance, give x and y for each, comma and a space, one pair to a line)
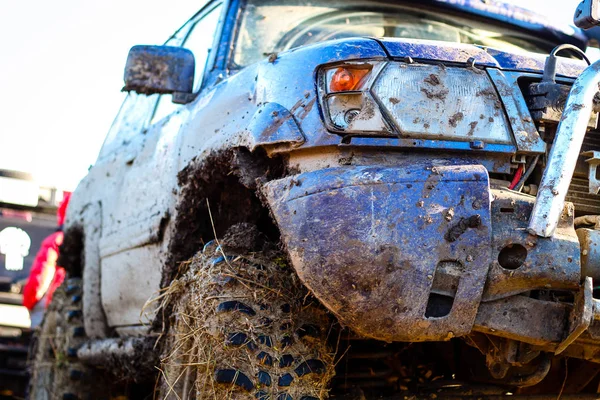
200, 342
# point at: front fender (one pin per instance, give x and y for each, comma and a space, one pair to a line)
272, 125
397, 253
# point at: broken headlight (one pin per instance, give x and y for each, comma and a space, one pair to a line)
417, 101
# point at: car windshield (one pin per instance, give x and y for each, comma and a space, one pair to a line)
272, 26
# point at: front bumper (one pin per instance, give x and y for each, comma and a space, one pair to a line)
408, 253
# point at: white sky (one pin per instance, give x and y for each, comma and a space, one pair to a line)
61, 69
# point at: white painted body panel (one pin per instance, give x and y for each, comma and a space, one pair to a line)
128, 279
136, 221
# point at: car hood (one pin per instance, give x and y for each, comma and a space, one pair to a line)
534, 22
428, 50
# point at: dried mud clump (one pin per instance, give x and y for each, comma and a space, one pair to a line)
242, 238
243, 327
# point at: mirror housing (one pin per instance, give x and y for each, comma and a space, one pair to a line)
161, 69
587, 14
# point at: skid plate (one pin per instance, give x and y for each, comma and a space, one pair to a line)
398, 254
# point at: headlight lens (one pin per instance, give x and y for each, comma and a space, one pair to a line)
421, 101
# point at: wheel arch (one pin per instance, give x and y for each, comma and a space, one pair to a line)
80, 256
216, 192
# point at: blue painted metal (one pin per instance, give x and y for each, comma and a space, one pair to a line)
273, 124
532, 62
378, 245
430, 144
519, 18
423, 50
228, 34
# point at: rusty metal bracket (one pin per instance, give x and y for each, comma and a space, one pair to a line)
537, 322
522, 262
581, 316
593, 162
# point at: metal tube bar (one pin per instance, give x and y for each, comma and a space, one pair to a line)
98, 352
564, 153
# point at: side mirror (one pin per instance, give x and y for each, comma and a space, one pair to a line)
587, 14
161, 69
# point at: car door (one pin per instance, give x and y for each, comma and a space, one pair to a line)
132, 249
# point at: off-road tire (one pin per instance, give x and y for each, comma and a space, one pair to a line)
243, 327
55, 370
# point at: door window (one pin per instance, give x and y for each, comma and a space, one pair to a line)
134, 116
200, 41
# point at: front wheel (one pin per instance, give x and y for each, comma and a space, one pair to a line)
243, 327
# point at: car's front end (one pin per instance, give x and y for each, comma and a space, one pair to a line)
416, 176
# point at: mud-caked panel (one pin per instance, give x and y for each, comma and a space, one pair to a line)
398, 254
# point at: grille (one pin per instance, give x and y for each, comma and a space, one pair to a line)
585, 203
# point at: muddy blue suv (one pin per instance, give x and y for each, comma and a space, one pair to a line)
345, 199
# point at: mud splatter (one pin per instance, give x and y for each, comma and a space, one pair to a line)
432, 79
455, 119
472, 125
439, 95
461, 227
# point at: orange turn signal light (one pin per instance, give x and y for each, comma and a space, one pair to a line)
346, 79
